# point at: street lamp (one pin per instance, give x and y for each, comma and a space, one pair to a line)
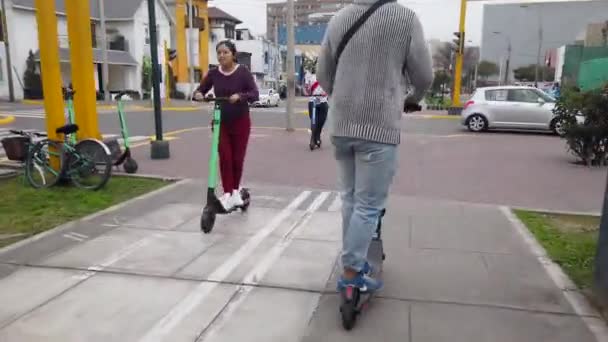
540, 41
508, 38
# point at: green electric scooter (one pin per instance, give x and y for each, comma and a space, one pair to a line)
128, 163
214, 206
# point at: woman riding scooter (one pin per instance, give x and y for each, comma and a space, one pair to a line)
234, 81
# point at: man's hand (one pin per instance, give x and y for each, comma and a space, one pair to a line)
234, 98
198, 96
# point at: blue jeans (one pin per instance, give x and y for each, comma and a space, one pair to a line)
366, 170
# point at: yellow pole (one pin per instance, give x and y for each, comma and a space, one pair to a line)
83, 69
203, 39
50, 68
180, 35
459, 56
167, 77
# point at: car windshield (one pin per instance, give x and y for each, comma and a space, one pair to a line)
264, 91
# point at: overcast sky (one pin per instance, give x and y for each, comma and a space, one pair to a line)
439, 17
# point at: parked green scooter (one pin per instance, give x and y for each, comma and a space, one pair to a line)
128, 163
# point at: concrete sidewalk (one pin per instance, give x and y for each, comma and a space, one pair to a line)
144, 272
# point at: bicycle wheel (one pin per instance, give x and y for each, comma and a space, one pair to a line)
90, 164
44, 164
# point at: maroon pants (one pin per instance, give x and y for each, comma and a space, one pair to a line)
234, 137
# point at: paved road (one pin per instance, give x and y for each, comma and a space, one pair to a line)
144, 272
438, 159
141, 121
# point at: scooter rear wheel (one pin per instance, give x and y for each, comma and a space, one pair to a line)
349, 315
207, 220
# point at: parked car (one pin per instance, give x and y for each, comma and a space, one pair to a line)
511, 107
268, 98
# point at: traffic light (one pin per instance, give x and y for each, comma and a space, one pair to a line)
459, 42
172, 53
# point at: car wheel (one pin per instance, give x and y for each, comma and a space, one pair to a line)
558, 127
477, 123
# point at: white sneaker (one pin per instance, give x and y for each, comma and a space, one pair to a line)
237, 200
227, 201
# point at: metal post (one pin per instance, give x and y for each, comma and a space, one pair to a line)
291, 69
160, 148
459, 56
9, 68
507, 64
476, 69
167, 76
104, 51
50, 68
601, 256
83, 74
190, 48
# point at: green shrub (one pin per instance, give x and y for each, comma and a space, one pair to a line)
587, 140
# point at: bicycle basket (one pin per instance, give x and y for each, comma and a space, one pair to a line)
16, 147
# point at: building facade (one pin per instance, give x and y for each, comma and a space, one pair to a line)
313, 13
523, 24
127, 34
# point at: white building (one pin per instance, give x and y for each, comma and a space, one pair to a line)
261, 56
265, 60
127, 35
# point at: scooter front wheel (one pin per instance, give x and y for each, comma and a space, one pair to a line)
130, 165
207, 220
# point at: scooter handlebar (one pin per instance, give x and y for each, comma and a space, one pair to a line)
120, 95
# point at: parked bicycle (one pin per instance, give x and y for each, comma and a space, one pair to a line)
87, 164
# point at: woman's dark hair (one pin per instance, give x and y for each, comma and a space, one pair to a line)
228, 44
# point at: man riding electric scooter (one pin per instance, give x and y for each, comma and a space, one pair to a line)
371, 51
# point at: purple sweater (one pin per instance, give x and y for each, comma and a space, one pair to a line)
240, 81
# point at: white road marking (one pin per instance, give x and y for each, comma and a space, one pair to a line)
73, 237
256, 275
336, 205
114, 258
196, 297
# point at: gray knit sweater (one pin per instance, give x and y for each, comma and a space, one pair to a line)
368, 89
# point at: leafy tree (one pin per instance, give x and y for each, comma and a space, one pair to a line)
146, 75
441, 78
487, 69
587, 140
31, 79
528, 73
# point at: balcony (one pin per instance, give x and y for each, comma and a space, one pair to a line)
197, 23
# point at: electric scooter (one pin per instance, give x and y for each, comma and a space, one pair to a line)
313, 124
353, 300
128, 163
213, 206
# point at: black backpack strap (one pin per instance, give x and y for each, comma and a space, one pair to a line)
353, 29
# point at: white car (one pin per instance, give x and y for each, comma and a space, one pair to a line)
511, 107
268, 98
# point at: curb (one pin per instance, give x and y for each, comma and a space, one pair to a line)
558, 212
581, 306
6, 119
71, 224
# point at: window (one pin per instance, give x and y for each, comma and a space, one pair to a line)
522, 95
496, 95
1, 28
93, 34
230, 34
